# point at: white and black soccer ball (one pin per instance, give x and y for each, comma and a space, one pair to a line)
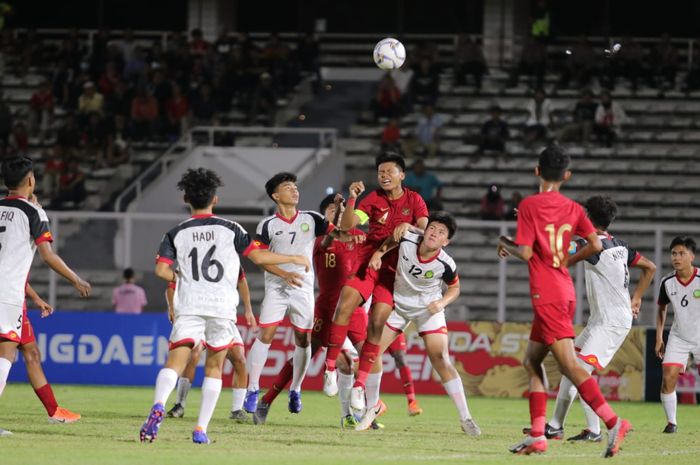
389, 53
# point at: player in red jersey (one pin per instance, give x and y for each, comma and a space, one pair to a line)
546, 223
397, 350
333, 262
391, 209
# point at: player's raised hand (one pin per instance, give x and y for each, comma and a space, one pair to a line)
636, 305
400, 230
46, 309
375, 262
83, 287
436, 306
356, 188
358, 238
338, 199
660, 349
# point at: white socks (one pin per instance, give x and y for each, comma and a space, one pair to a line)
5, 366
565, 397
455, 390
374, 380
670, 403
165, 383
211, 388
301, 361
238, 398
345, 383
257, 356
183, 388
592, 419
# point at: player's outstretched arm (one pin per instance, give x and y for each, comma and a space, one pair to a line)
45, 308
375, 261
264, 257
507, 247
57, 264
244, 292
648, 270
349, 219
592, 247
660, 323
450, 296
338, 201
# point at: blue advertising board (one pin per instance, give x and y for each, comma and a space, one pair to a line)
99, 348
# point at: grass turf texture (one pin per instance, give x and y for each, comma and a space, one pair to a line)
108, 433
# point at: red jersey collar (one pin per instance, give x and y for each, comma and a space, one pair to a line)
383, 193
690, 280
287, 220
203, 215
13, 197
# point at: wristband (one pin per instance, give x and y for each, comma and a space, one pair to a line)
351, 203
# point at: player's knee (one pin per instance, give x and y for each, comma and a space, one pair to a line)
302, 339
32, 355
440, 361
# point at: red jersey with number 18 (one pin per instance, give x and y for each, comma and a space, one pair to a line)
546, 222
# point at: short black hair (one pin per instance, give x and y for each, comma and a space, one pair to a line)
602, 210
327, 200
685, 241
274, 182
199, 186
128, 273
445, 218
553, 163
15, 169
390, 156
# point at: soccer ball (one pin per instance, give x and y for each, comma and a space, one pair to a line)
389, 54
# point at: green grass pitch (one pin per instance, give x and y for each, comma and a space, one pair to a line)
108, 433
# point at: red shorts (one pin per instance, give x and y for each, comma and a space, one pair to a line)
553, 322
377, 284
398, 345
27, 329
357, 328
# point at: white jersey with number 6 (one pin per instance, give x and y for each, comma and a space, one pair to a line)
206, 249
684, 298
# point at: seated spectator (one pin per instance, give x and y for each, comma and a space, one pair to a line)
426, 133
492, 204
264, 100
107, 84
532, 62
41, 107
665, 62
90, 101
512, 209
160, 88
119, 142
391, 135
469, 60
539, 119
71, 186
580, 128
388, 101
494, 133
609, 118
144, 114
177, 110
425, 84
580, 64
119, 103
426, 184
54, 165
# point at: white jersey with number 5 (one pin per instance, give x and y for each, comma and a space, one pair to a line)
206, 249
684, 298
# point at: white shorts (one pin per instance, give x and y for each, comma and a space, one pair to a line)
299, 303
677, 351
597, 344
11, 322
216, 333
426, 322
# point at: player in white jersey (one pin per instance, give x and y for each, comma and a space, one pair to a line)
206, 249
423, 268
611, 311
288, 231
680, 290
24, 228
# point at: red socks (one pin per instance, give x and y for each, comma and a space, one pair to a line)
45, 394
367, 357
407, 381
538, 412
590, 393
335, 344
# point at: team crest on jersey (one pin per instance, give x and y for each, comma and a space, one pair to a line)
304, 227
696, 293
429, 274
406, 211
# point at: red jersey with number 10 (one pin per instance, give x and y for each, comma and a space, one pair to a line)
546, 222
